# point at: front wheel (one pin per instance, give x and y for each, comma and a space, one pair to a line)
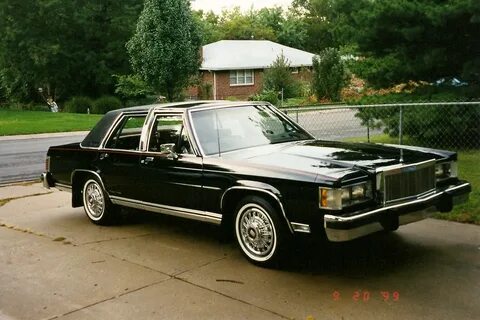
97, 206
261, 234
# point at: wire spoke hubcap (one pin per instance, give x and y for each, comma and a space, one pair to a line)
256, 232
94, 200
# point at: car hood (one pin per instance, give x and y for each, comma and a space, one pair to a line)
331, 159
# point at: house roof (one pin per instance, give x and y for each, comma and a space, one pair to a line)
250, 54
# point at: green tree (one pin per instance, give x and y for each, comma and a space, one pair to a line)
418, 40
293, 32
399, 40
235, 25
278, 77
329, 74
289, 28
328, 23
208, 24
275, 24
272, 18
31, 49
101, 29
65, 47
164, 50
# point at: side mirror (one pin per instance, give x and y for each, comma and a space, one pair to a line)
170, 149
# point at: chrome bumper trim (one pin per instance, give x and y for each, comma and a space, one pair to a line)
338, 235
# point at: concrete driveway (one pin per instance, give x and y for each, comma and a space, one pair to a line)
55, 264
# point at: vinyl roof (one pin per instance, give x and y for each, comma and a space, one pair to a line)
250, 54
101, 129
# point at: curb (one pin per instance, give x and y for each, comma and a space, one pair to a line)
29, 181
44, 135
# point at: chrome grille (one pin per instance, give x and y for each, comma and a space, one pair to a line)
408, 181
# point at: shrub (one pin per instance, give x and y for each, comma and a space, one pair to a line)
79, 104
279, 76
329, 74
266, 95
106, 103
205, 91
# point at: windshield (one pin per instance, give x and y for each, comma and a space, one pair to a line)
232, 128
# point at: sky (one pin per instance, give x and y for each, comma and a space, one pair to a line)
218, 5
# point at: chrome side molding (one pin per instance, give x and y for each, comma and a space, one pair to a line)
192, 214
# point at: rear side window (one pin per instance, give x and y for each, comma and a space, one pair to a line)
126, 136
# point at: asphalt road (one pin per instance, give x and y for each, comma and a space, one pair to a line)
332, 124
24, 159
55, 264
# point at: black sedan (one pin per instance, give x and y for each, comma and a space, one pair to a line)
248, 167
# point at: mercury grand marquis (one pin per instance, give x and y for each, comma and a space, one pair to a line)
250, 168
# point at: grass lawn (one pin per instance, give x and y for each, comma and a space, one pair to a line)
468, 169
29, 122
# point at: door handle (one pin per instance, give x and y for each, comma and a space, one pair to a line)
103, 156
146, 160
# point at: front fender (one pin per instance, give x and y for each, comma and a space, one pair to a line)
257, 187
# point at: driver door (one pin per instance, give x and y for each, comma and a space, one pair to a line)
170, 174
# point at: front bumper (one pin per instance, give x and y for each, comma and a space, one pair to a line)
345, 228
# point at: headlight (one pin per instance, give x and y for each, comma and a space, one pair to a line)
446, 170
336, 199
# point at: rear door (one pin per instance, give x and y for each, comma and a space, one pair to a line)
118, 160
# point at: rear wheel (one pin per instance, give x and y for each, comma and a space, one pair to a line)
260, 233
97, 206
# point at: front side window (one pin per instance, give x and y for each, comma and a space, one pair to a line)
126, 136
241, 77
233, 128
168, 134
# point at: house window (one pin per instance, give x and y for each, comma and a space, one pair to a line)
241, 77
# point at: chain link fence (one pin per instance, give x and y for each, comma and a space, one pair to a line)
452, 125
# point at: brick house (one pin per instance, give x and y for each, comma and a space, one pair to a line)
234, 68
